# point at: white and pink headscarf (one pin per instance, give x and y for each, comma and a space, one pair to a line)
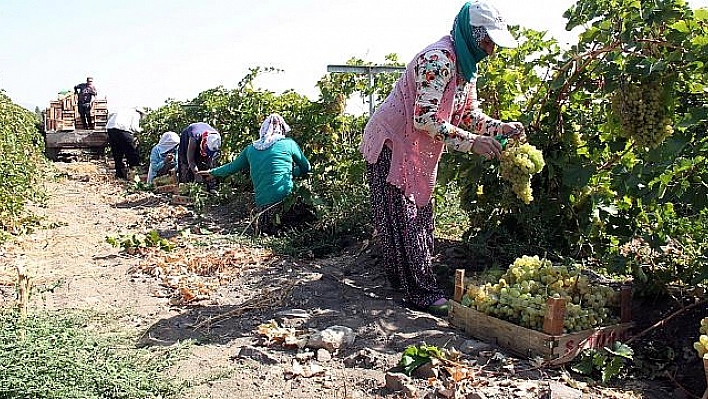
273, 129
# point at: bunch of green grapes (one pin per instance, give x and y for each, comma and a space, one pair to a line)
642, 113
521, 293
517, 164
702, 344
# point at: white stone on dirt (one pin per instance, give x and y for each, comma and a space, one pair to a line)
474, 347
410, 391
332, 338
561, 391
366, 358
425, 371
323, 355
301, 313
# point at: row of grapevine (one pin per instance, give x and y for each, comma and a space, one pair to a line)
328, 137
620, 119
21, 160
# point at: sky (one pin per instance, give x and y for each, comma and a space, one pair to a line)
144, 52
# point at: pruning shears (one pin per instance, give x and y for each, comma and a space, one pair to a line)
503, 138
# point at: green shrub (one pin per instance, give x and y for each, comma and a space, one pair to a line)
59, 356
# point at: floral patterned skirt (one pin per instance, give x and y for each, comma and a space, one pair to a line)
407, 235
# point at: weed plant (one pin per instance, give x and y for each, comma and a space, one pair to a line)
64, 355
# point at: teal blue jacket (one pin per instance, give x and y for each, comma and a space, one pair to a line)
272, 170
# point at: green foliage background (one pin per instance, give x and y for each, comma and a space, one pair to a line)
629, 209
602, 198
21, 163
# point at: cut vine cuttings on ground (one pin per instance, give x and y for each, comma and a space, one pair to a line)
137, 242
193, 274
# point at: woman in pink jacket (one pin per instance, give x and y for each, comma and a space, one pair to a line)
432, 106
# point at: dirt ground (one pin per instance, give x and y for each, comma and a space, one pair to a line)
214, 291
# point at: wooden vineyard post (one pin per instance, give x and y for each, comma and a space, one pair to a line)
23, 288
555, 316
626, 304
459, 284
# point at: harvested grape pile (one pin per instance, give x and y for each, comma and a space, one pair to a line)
521, 293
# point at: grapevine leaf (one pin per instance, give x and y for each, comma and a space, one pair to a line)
622, 350
578, 175
612, 369
583, 366
681, 26
701, 14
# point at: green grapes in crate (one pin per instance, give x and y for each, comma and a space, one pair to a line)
702, 344
521, 293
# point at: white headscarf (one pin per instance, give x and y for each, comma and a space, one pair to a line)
168, 142
273, 129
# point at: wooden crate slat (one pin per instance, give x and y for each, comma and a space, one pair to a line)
76, 139
521, 340
568, 346
705, 368
557, 349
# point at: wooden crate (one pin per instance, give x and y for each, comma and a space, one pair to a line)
64, 125
551, 344
168, 189
181, 200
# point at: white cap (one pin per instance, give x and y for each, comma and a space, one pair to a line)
486, 15
213, 141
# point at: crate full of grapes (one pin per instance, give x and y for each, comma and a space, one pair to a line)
537, 309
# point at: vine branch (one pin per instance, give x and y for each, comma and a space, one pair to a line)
663, 322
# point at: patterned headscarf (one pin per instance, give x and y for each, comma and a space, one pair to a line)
168, 142
273, 129
467, 39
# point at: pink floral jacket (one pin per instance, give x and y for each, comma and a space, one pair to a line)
430, 107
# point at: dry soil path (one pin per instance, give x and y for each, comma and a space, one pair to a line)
73, 267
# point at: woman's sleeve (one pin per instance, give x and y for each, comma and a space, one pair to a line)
240, 163
156, 164
191, 148
475, 120
433, 72
301, 163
